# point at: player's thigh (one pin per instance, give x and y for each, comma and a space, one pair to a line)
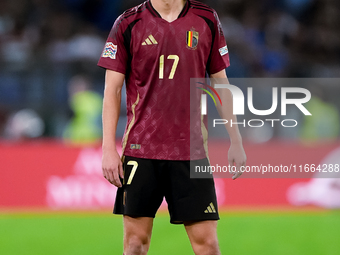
137, 229
202, 232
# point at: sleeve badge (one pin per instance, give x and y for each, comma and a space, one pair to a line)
224, 50
110, 51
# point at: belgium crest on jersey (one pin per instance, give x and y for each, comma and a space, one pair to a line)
192, 39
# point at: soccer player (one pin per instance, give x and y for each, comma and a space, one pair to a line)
156, 48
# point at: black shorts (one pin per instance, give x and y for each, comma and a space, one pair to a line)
148, 181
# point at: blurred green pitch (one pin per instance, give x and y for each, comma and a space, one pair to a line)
273, 233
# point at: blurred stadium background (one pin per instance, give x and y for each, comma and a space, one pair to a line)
53, 199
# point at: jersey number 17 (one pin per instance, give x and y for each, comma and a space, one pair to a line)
173, 69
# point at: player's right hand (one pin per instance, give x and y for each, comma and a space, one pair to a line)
112, 167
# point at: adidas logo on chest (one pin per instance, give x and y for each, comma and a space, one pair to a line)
150, 40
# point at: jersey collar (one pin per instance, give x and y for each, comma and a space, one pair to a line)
156, 14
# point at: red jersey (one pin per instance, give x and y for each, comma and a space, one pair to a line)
158, 59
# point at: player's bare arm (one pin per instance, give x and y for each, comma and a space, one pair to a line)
111, 162
236, 154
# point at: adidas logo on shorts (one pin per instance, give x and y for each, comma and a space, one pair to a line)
210, 208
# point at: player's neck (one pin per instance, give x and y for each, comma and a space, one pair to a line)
168, 9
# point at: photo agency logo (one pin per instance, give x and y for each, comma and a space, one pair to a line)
239, 105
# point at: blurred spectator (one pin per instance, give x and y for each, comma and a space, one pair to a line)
85, 126
324, 124
60, 27
86, 44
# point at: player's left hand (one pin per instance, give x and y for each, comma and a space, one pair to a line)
237, 157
